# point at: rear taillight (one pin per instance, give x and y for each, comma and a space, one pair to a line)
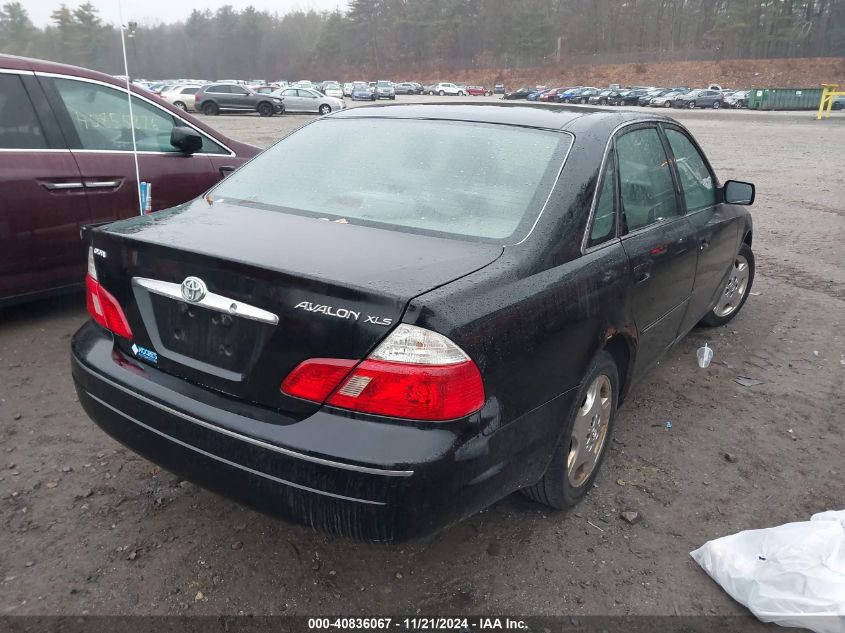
102, 306
414, 374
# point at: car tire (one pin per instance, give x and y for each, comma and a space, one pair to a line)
461, 93
583, 101
716, 105
735, 292
265, 109
210, 109
431, 93
691, 105
441, 93
667, 104
181, 106
591, 421
325, 109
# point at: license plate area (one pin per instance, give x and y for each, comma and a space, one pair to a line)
223, 340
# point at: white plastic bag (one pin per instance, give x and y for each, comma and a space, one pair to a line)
793, 575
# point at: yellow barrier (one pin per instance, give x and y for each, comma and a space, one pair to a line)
829, 93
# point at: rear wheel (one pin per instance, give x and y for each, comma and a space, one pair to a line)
265, 109
180, 105
667, 104
716, 105
325, 109
210, 109
441, 93
735, 291
691, 105
586, 436
461, 93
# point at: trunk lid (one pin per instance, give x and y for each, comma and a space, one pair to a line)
280, 289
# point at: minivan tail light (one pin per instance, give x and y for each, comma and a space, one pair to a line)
414, 374
102, 306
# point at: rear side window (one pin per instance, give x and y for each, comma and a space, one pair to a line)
465, 179
645, 182
220, 90
100, 116
604, 221
696, 179
19, 125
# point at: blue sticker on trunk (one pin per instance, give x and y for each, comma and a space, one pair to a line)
145, 354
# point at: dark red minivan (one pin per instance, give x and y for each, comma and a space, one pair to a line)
66, 162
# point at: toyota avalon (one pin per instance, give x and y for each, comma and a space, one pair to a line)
379, 348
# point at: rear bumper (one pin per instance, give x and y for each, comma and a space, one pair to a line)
360, 477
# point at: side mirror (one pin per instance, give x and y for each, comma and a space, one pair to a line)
737, 192
185, 139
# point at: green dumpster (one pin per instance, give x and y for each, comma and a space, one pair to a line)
784, 98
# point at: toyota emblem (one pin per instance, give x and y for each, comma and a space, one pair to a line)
193, 289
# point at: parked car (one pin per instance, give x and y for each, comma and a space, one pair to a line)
182, 96
445, 88
478, 91
333, 90
600, 98
569, 93
838, 104
304, 83
645, 100
583, 95
264, 89
407, 88
520, 93
305, 100
213, 99
535, 95
667, 100
699, 99
67, 162
347, 89
737, 99
628, 97
322, 344
362, 92
499, 89
384, 90
550, 95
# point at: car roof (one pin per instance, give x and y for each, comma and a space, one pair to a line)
526, 115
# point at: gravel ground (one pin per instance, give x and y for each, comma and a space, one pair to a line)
88, 527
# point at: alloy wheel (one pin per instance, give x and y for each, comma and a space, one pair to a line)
731, 297
589, 432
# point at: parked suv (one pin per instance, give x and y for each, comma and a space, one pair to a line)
444, 89
700, 99
384, 90
65, 131
217, 98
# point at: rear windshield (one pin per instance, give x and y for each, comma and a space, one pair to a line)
470, 180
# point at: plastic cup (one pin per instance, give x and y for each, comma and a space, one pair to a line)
705, 355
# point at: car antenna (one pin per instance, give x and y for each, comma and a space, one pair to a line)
132, 25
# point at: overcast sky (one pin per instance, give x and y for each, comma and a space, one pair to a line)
155, 11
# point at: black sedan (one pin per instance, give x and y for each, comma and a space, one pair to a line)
380, 348
519, 93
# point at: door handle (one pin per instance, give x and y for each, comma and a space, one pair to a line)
703, 244
226, 170
101, 184
59, 186
642, 273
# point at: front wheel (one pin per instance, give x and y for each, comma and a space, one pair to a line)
716, 105
441, 93
691, 105
325, 109
584, 441
736, 289
210, 109
667, 104
181, 106
265, 109
461, 93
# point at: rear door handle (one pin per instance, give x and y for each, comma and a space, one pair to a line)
642, 273
101, 184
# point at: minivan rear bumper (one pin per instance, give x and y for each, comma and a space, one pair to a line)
357, 476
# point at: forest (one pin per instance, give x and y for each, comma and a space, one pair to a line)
380, 37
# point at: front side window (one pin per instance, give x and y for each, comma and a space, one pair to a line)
645, 181
220, 90
19, 125
696, 179
100, 116
478, 181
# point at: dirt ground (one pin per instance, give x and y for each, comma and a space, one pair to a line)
88, 527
